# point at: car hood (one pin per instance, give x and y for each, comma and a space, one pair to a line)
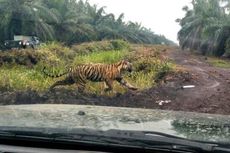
195, 126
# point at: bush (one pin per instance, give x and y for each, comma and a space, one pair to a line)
101, 57
56, 49
163, 69
25, 57
53, 53
119, 44
49, 54
150, 70
86, 48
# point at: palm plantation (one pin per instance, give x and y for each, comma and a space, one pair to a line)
26, 17
206, 27
69, 21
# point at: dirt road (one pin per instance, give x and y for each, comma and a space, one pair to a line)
211, 93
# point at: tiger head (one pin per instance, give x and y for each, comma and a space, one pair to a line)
126, 66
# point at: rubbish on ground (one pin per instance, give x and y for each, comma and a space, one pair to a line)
188, 86
161, 102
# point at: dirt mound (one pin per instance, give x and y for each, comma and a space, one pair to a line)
178, 76
20, 57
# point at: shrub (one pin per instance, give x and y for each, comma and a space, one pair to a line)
25, 57
101, 57
163, 69
86, 48
119, 44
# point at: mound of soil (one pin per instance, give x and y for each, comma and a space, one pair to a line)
20, 57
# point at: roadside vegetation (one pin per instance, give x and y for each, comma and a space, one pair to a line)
20, 72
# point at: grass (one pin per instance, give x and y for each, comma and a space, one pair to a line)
16, 78
55, 57
221, 63
96, 46
101, 57
142, 80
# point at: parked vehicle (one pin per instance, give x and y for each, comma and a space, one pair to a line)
22, 42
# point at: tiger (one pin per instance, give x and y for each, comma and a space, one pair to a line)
96, 72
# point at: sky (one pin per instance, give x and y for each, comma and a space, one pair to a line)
158, 15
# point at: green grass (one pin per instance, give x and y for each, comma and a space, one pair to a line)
55, 57
16, 78
221, 63
101, 57
98, 46
142, 80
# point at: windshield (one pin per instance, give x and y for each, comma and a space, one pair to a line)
160, 66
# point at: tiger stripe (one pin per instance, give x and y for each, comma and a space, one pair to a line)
96, 73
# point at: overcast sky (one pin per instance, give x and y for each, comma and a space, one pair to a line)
159, 15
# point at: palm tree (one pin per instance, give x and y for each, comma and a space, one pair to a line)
26, 17
192, 24
205, 27
69, 21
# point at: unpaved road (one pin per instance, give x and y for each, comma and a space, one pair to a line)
212, 91
210, 95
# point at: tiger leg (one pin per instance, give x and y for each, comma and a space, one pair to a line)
66, 81
81, 82
81, 87
126, 84
109, 84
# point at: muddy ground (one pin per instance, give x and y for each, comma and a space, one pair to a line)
211, 93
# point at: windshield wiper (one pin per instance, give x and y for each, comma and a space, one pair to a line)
121, 138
